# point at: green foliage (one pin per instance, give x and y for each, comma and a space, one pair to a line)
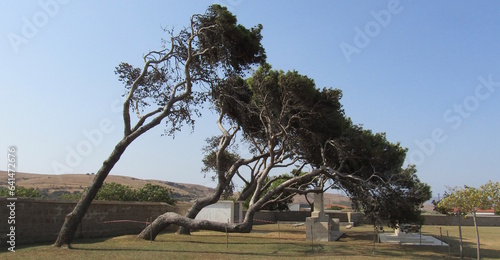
21, 192
469, 199
154, 193
335, 207
115, 191
77, 195
219, 167
109, 191
439, 208
212, 48
281, 203
228, 42
284, 111
399, 202
149, 192
492, 190
277, 202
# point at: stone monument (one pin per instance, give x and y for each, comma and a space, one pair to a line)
320, 227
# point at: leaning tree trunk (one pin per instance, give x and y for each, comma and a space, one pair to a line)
169, 218
198, 206
202, 203
374, 238
73, 219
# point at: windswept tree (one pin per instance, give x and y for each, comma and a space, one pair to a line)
171, 83
286, 121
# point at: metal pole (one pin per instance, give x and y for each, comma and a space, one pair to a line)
279, 231
460, 234
441, 235
312, 239
448, 240
420, 231
227, 238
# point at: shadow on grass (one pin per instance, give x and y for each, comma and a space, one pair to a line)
280, 242
176, 251
51, 243
469, 248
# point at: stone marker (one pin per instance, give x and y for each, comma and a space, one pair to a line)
320, 227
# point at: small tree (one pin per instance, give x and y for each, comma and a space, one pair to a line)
470, 200
154, 193
21, 192
492, 190
115, 191
76, 195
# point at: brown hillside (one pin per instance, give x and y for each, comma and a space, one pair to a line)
329, 199
77, 182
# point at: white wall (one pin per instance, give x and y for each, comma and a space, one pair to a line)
222, 211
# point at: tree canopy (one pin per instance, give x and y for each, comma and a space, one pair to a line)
285, 120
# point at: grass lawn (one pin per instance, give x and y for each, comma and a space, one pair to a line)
265, 242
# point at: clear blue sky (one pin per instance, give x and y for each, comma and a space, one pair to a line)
425, 72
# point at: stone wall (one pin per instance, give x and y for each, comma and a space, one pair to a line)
443, 220
39, 220
300, 216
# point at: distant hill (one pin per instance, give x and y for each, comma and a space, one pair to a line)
77, 182
329, 199
181, 191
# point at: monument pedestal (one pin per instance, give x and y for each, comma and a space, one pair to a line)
320, 227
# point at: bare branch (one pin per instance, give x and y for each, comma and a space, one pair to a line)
143, 118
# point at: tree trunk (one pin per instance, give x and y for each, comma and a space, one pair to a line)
163, 221
247, 191
73, 219
460, 234
198, 206
477, 236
